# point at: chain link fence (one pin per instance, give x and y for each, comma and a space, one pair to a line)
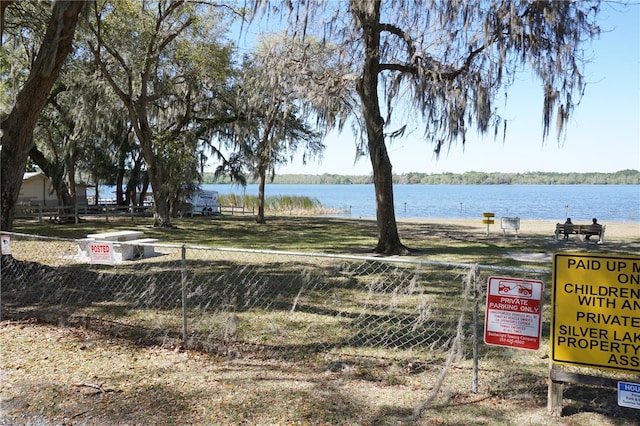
318, 309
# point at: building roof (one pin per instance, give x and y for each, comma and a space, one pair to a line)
31, 175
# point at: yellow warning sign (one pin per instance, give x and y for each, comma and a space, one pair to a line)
596, 311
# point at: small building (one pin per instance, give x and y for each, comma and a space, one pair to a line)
36, 189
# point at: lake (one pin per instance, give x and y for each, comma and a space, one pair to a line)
609, 203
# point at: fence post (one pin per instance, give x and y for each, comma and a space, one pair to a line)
476, 306
554, 392
184, 295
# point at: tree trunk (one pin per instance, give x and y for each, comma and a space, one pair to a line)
155, 168
96, 189
17, 127
62, 191
261, 186
144, 189
388, 238
155, 172
71, 178
122, 199
174, 206
161, 216
131, 193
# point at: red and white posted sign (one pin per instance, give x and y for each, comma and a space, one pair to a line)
6, 244
101, 253
514, 313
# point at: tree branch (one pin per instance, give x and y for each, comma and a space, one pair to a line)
408, 69
411, 49
125, 97
452, 75
403, 35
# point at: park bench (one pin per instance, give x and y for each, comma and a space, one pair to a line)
580, 230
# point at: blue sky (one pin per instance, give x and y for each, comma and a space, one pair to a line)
602, 136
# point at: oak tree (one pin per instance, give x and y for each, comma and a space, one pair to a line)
18, 125
153, 55
448, 62
283, 111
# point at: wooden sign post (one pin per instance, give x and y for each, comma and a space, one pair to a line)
488, 219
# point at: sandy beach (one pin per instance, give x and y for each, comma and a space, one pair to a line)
620, 231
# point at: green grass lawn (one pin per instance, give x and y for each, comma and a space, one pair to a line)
433, 241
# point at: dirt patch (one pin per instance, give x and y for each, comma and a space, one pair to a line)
530, 257
69, 375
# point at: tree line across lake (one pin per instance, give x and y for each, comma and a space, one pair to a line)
622, 177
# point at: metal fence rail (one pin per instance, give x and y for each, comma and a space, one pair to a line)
300, 307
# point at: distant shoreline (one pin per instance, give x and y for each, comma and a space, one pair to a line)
622, 177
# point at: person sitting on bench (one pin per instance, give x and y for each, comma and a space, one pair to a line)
594, 223
568, 228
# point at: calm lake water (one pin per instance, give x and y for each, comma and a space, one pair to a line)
609, 203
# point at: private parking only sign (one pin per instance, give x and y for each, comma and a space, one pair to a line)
514, 312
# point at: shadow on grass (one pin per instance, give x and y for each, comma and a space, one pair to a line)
593, 399
229, 302
431, 241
